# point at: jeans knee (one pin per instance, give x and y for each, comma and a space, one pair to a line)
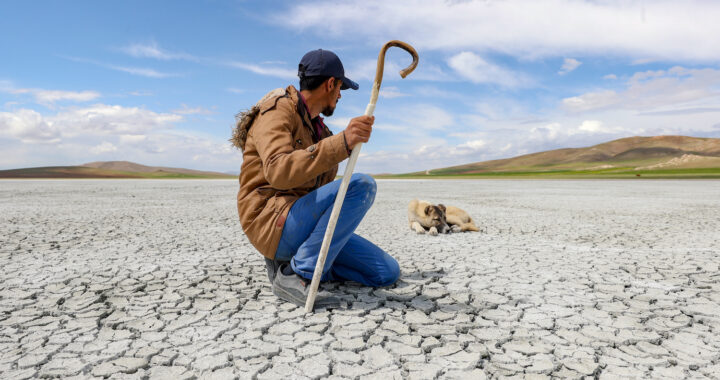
390, 274
364, 184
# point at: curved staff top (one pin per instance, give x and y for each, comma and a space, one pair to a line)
310, 302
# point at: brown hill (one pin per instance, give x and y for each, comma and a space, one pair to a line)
627, 152
110, 169
127, 166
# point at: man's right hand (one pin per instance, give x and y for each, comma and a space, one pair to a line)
359, 130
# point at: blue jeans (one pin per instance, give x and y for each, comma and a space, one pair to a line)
350, 257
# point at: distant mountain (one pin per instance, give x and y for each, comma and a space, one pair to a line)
623, 155
109, 169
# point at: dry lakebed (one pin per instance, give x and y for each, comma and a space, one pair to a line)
138, 279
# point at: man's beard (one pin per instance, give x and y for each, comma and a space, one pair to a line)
328, 111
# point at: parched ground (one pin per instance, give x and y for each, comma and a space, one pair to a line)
155, 279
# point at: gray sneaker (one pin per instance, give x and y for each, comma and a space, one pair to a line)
294, 289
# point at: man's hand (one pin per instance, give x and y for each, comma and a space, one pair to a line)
359, 130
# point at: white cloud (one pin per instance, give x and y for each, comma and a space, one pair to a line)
610, 76
526, 28
102, 132
49, 97
424, 117
28, 126
591, 126
113, 119
473, 67
52, 96
185, 110
142, 71
391, 92
278, 72
649, 90
105, 147
131, 139
569, 64
474, 144
591, 100
438, 93
365, 69
152, 50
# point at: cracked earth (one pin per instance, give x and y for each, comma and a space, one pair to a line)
136, 279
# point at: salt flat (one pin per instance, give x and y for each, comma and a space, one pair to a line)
155, 279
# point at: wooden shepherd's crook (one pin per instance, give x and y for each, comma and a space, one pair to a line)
310, 302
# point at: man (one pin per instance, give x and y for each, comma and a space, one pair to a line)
287, 187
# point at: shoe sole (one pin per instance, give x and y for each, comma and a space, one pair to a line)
285, 296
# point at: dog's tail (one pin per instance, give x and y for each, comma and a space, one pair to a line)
469, 226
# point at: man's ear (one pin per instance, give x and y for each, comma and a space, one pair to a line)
330, 84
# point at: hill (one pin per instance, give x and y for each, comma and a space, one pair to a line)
632, 156
109, 169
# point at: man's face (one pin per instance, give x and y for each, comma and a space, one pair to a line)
333, 97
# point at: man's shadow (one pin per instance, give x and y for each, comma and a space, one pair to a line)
410, 292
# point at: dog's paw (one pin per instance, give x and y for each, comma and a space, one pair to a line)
456, 228
433, 231
420, 232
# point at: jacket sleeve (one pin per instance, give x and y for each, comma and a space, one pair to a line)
283, 166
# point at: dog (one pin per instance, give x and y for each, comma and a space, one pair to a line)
425, 217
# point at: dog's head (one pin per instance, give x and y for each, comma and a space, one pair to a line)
436, 218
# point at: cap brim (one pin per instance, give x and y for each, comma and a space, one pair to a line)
347, 83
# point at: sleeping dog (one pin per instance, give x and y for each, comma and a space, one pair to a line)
425, 217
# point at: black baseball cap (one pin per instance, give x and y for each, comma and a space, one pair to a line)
324, 63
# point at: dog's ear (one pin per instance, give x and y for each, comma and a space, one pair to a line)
427, 210
442, 207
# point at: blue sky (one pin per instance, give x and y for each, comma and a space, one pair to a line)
159, 82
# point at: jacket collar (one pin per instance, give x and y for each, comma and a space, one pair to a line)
300, 106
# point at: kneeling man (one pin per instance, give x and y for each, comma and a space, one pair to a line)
287, 187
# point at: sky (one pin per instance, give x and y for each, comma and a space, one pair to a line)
159, 82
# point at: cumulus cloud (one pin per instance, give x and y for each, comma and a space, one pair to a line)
28, 126
524, 28
569, 64
476, 69
105, 147
648, 90
113, 119
105, 132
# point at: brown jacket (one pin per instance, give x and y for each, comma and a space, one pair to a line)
283, 160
